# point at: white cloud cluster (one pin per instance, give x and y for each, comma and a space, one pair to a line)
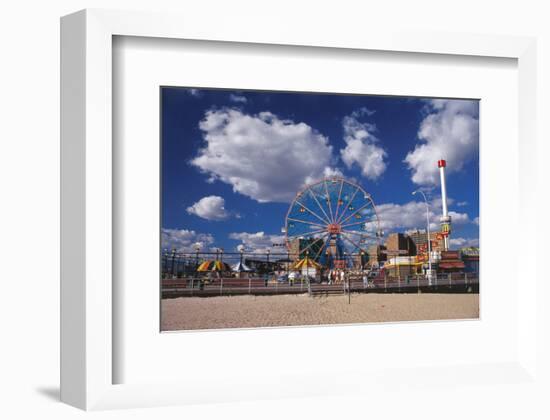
238, 98
261, 156
412, 215
211, 207
459, 218
184, 240
450, 131
195, 92
464, 242
362, 146
258, 242
328, 172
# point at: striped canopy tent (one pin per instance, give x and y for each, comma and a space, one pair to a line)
306, 263
240, 267
214, 265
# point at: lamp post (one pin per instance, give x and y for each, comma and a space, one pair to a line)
197, 249
346, 277
429, 274
173, 261
165, 259
267, 268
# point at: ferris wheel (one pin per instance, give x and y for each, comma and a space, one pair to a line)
330, 221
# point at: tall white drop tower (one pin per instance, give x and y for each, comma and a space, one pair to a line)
445, 218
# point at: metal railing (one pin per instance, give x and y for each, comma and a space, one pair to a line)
226, 286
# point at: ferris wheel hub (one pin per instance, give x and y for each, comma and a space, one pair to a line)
334, 228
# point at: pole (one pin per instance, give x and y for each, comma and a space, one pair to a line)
173, 261
165, 258
267, 269
349, 290
429, 274
445, 218
197, 261
241, 267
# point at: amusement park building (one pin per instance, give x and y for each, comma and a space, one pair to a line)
376, 254
401, 244
470, 257
420, 239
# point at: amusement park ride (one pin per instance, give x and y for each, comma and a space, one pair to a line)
332, 220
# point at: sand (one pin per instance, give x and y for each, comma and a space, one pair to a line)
190, 313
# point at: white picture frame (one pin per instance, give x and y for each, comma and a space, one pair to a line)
86, 130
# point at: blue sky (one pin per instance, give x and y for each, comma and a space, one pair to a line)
233, 160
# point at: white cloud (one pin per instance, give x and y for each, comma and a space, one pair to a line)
476, 220
403, 216
258, 242
211, 207
184, 240
195, 92
464, 242
412, 215
328, 172
362, 112
459, 218
362, 147
238, 98
450, 131
261, 156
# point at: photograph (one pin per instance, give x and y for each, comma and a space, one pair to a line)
283, 209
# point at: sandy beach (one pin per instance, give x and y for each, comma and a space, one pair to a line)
191, 313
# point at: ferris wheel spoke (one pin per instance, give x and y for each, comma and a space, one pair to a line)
328, 200
313, 232
363, 235
355, 212
354, 245
353, 224
314, 242
320, 250
312, 212
347, 204
305, 221
352, 242
339, 198
319, 204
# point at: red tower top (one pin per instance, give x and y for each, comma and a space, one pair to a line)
441, 163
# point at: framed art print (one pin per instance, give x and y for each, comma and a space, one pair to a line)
251, 217
303, 208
